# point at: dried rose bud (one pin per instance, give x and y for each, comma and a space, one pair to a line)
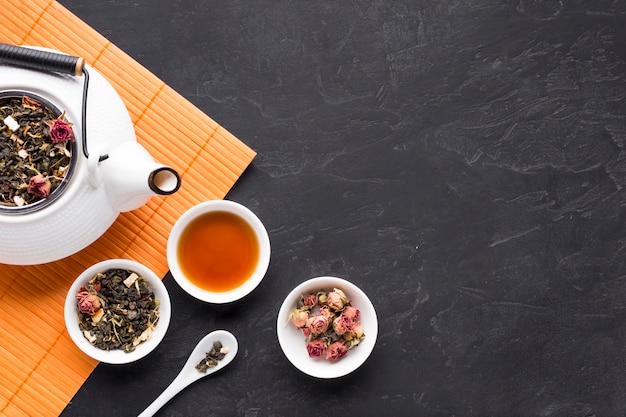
61, 130
342, 324
318, 324
310, 300
336, 351
351, 312
337, 299
357, 331
299, 317
87, 303
321, 298
315, 348
39, 185
355, 335
325, 311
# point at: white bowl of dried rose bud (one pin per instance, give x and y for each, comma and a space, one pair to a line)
117, 311
327, 327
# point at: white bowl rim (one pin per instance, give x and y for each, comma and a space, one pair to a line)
264, 251
291, 339
118, 356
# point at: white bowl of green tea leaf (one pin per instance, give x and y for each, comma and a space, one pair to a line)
117, 311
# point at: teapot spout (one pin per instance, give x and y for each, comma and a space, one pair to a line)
130, 177
164, 180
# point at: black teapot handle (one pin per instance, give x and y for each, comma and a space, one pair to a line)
46, 61
41, 60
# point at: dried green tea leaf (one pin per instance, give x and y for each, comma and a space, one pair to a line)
114, 316
217, 353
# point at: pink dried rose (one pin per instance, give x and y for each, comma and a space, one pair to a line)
351, 312
315, 347
39, 185
61, 130
318, 324
355, 334
88, 303
310, 300
325, 311
336, 351
299, 318
336, 299
342, 324
357, 331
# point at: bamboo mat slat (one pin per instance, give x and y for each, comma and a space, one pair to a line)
35, 349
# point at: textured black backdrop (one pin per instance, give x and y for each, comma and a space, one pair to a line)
462, 161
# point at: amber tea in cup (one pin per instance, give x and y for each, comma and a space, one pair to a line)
218, 251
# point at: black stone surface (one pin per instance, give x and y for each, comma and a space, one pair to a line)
462, 161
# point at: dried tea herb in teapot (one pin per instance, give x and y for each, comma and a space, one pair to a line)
35, 150
117, 310
211, 358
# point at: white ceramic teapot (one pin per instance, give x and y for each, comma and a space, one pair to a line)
99, 188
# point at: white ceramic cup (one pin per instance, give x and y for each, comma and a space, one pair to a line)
219, 297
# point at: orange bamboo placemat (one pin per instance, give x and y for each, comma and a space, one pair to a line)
41, 369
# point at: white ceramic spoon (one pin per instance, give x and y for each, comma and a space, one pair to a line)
189, 374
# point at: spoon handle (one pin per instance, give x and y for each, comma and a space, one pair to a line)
174, 388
